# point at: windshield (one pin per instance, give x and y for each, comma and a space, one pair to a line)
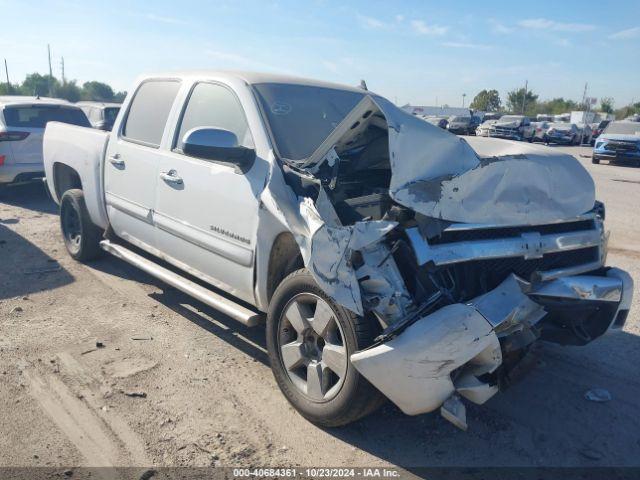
460, 119
37, 116
623, 128
110, 115
302, 116
511, 118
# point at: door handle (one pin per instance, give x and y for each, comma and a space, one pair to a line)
116, 161
171, 177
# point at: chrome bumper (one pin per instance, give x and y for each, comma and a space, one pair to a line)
528, 245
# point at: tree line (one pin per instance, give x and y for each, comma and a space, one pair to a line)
36, 84
526, 102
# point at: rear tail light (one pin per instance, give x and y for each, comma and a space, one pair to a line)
2, 157
13, 136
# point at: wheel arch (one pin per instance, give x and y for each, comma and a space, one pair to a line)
284, 258
65, 178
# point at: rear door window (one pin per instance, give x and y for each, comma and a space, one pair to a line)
213, 105
149, 111
37, 116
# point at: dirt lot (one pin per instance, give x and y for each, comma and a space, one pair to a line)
176, 383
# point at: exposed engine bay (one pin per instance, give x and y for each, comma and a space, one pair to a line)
465, 256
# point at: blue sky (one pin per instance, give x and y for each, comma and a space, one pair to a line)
411, 51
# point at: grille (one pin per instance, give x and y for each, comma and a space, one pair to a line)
501, 267
621, 146
504, 131
509, 232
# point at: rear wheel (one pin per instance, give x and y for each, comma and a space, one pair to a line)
81, 236
310, 339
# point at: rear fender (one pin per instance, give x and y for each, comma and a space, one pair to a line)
69, 148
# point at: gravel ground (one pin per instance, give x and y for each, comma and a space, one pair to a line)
102, 365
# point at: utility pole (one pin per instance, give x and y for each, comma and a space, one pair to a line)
524, 97
62, 68
584, 94
463, 95
50, 71
6, 71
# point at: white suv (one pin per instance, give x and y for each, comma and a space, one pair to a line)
22, 123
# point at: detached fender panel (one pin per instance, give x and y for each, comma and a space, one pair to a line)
413, 369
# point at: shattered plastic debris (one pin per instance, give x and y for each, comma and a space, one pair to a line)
598, 395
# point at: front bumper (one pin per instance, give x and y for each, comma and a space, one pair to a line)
508, 135
613, 156
456, 349
561, 139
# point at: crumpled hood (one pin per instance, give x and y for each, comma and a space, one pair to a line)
434, 173
440, 175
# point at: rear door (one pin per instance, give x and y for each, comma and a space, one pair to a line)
131, 166
206, 212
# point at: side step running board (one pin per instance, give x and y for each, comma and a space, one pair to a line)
242, 314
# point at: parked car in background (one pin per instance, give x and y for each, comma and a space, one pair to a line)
597, 129
476, 121
22, 123
437, 121
563, 133
460, 125
543, 117
513, 127
101, 115
483, 129
619, 142
540, 131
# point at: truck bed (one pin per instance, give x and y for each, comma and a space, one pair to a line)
83, 150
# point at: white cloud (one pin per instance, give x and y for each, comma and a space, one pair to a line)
546, 24
331, 66
161, 19
421, 28
471, 46
370, 22
499, 28
228, 57
399, 18
626, 34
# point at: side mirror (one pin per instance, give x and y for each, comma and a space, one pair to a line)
218, 145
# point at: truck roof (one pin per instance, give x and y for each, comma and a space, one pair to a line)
249, 77
26, 100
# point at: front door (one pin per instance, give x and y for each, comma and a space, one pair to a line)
131, 165
206, 212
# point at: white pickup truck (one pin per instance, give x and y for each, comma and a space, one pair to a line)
388, 257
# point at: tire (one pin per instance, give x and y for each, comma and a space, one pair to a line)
81, 236
595, 160
340, 399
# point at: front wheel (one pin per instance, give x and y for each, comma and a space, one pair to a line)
81, 236
310, 339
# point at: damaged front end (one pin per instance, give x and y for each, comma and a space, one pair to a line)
464, 256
